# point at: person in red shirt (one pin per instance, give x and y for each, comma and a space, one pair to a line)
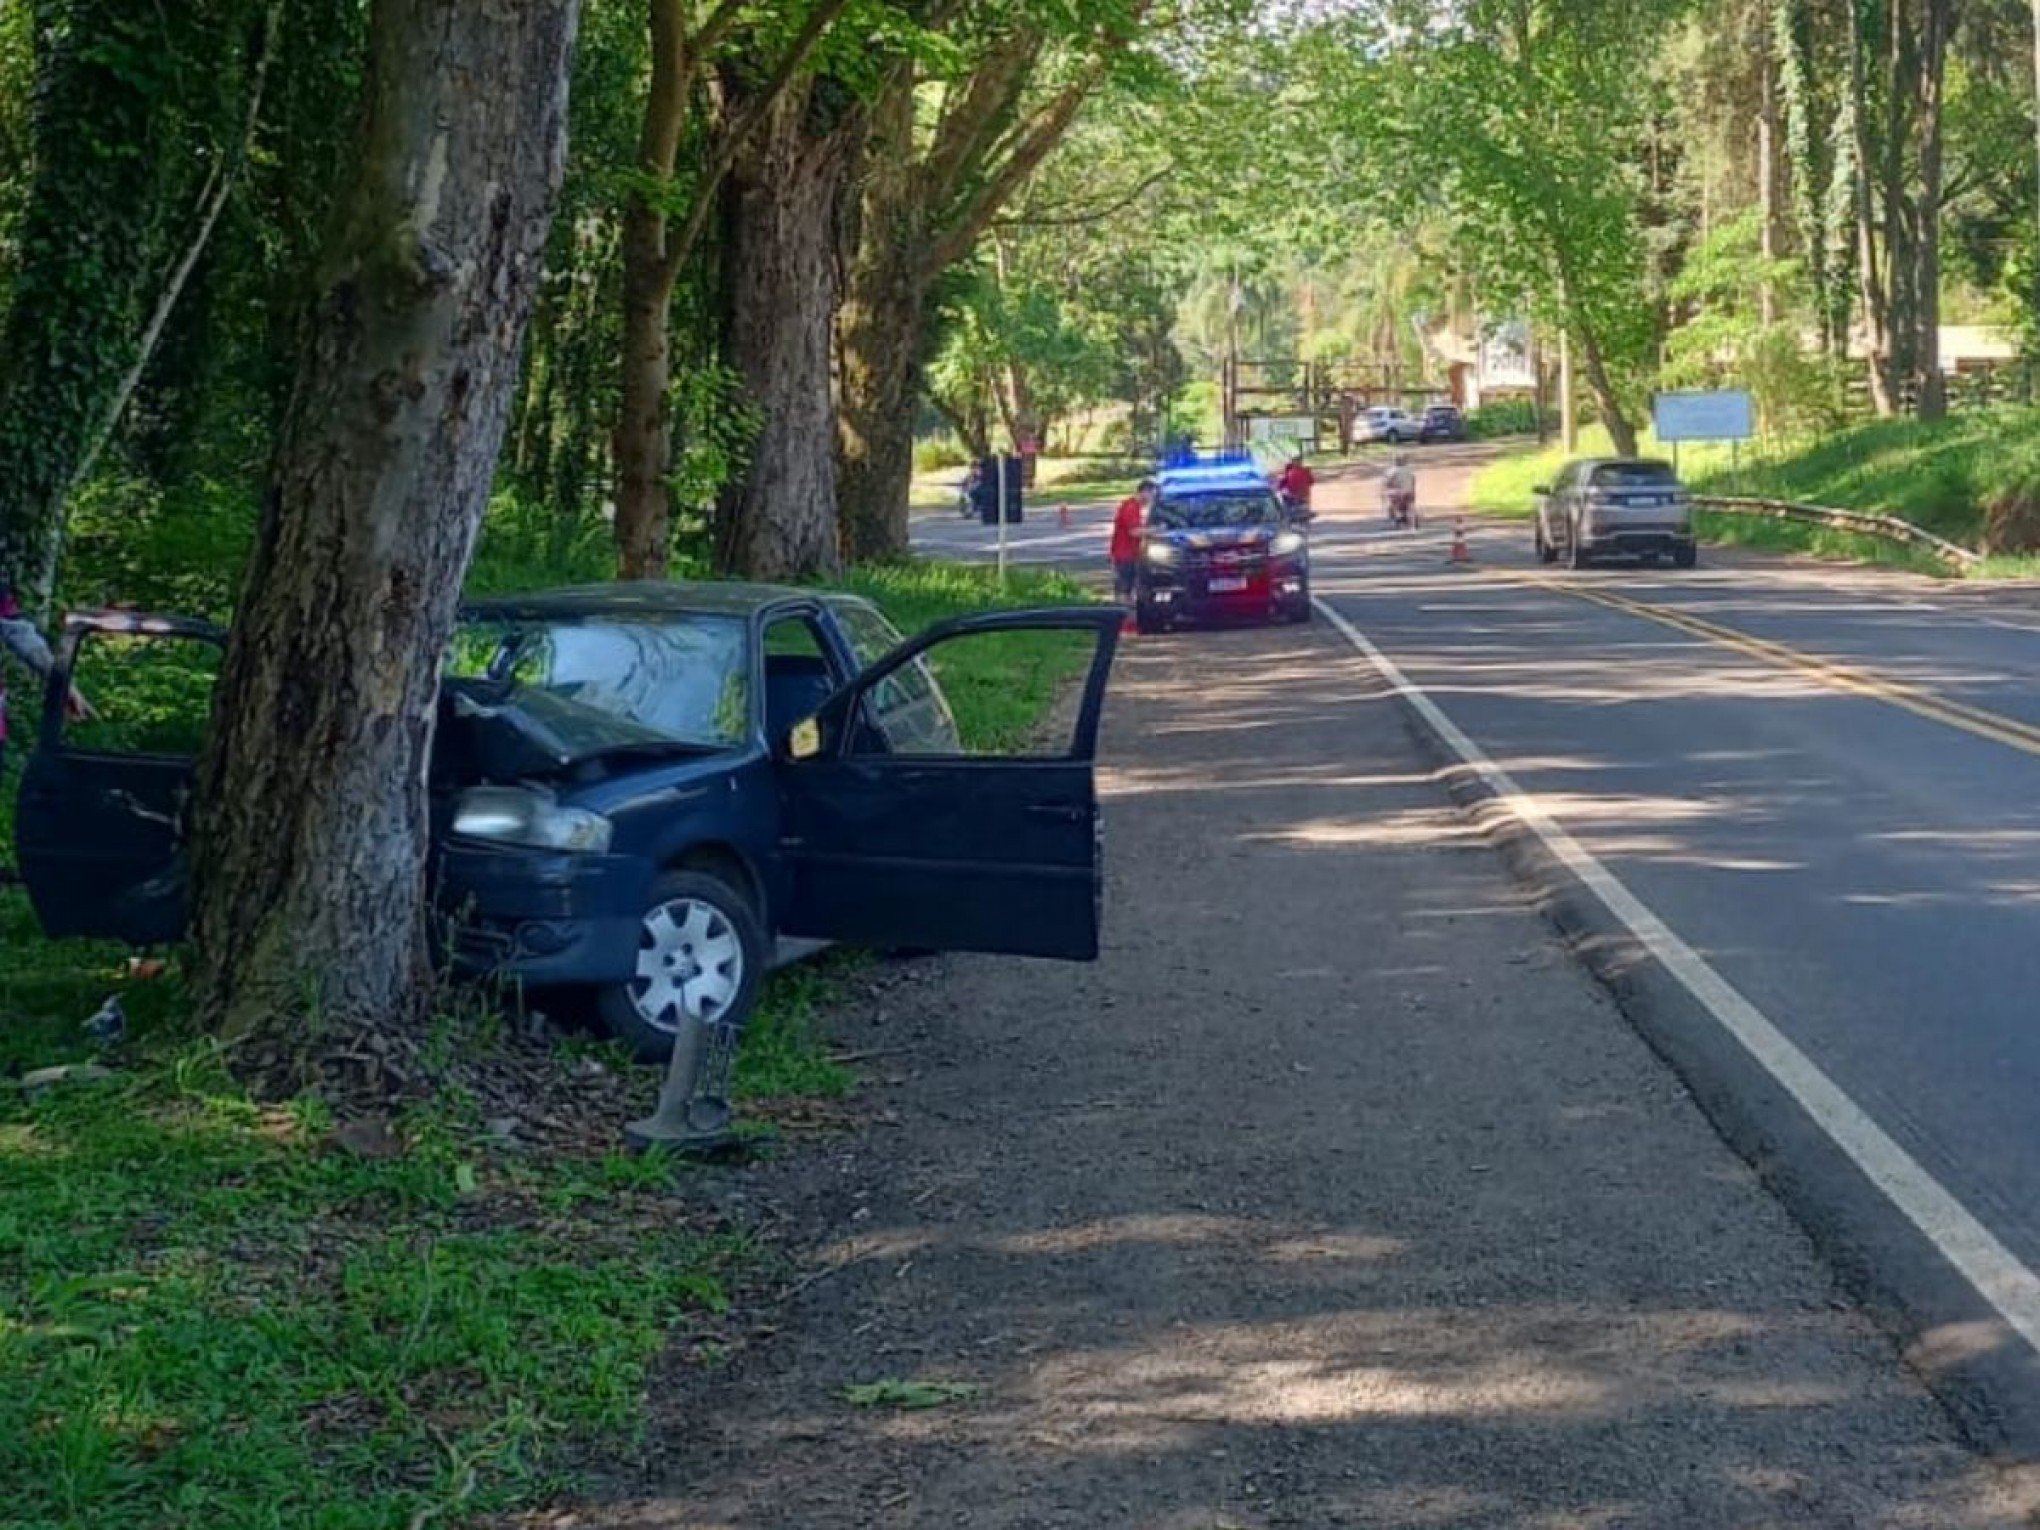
1129, 527
1296, 483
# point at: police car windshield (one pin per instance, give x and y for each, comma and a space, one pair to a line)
1202, 512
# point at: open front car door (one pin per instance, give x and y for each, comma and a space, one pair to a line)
905, 827
100, 827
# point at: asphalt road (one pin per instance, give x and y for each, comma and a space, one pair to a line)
1334, 1194
1821, 787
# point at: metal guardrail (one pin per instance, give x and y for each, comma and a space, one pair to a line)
1890, 527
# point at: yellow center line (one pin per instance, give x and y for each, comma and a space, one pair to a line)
1953, 714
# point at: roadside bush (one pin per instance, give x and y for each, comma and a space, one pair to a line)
1504, 417
2009, 488
934, 453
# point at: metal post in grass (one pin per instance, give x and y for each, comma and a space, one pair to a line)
693, 1113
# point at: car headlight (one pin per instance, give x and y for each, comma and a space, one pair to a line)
516, 815
1164, 553
1287, 544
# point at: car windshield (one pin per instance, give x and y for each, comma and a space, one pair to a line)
1634, 475
616, 683
1206, 511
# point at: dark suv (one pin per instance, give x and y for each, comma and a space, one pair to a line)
635, 788
1221, 546
1442, 422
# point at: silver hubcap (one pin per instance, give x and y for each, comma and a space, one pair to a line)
690, 964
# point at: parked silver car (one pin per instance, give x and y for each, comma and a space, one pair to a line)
1394, 426
1615, 507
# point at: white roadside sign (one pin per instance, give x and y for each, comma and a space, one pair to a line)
1722, 416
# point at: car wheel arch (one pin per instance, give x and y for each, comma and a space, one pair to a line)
724, 861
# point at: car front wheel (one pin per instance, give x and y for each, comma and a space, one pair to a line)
701, 956
1687, 555
1546, 553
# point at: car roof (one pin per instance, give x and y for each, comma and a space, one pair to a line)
646, 597
1210, 478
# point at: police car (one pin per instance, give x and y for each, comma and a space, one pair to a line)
1220, 547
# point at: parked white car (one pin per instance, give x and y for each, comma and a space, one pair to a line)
1384, 423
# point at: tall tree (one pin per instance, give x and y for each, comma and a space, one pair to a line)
125, 102
927, 190
1524, 117
1897, 73
668, 213
311, 811
778, 519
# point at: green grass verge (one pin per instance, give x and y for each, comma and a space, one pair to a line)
212, 1318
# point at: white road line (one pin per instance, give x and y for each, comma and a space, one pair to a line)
1996, 1273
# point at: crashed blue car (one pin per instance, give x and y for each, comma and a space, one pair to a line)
637, 789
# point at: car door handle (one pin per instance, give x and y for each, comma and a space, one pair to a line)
1059, 813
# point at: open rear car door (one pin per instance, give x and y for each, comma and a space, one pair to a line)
902, 830
100, 826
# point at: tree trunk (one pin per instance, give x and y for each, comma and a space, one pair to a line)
785, 191
878, 338
643, 441
311, 812
644, 427
1606, 399
1929, 392
79, 271
1767, 177
1869, 269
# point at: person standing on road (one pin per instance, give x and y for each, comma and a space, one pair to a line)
1129, 528
1296, 482
1399, 488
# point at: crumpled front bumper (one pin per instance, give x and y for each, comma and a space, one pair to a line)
543, 917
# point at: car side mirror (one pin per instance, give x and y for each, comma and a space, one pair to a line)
804, 739
1542, 488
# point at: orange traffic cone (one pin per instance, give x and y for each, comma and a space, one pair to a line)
1460, 552
1062, 513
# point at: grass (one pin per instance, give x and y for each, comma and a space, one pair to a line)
212, 1317
1937, 474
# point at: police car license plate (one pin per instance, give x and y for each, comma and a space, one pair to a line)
1225, 584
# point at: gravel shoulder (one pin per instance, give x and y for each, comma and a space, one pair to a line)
1335, 1194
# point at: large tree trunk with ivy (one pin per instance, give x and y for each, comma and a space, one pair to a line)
79, 280
311, 812
779, 521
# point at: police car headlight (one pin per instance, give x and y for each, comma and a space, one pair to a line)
1164, 553
1287, 545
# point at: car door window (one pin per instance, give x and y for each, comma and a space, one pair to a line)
146, 694
984, 695
799, 673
